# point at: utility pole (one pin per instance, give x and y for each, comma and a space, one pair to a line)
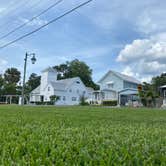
33, 59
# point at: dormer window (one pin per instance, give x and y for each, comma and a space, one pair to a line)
78, 82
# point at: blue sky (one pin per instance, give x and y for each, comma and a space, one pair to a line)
126, 36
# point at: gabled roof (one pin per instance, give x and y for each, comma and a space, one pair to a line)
64, 83
49, 69
58, 86
36, 90
122, 76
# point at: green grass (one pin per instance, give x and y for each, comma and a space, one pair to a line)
82, 136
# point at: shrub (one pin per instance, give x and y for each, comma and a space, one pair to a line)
110, 102
83, 101
38, 103
43, 103
54, 99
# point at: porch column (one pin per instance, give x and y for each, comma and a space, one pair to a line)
10, 99
6, 99
119, 99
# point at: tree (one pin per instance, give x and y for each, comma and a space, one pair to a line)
76, 68
9, 89
63, 70
33, 82
1, 84
12, 76
147, 95
158, 81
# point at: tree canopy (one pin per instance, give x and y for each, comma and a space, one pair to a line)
76, 68
12, 76
158, 81
33, 82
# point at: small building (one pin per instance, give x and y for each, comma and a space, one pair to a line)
117, 86
68, 91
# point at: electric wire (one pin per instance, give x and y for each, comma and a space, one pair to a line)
50, 22
30, 20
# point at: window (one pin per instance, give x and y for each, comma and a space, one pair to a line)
70, 90
110, 85
59, 97
103, 95
48, 88
78, 82
74, 99
64, 98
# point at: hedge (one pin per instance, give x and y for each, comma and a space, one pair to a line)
43, 103
110, 102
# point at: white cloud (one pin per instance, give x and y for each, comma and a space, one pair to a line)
144, 58
128, 71
152, 20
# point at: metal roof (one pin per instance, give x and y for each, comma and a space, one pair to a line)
164, 86
128, 91
64, 83
122, 76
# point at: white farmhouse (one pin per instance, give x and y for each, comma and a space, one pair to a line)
117, 86
69, 90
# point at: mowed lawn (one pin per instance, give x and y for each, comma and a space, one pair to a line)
82, 136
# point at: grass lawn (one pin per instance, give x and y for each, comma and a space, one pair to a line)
82, 136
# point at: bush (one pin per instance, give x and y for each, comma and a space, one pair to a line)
54, 99
38, 103
110, 103
83, 101
43, 103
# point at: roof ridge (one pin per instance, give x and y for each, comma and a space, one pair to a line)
122, 76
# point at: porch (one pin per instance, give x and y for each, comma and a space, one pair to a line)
105, 94
128, 97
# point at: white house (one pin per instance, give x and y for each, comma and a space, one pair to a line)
69, 90
117, 86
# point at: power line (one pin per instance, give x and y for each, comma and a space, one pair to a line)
14, 8
33, 18
15, 11
50, 22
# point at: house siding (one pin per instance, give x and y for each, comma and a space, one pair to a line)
129, 85
117, 82
69, 90
113, 83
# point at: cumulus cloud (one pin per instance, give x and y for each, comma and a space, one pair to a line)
144, 57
